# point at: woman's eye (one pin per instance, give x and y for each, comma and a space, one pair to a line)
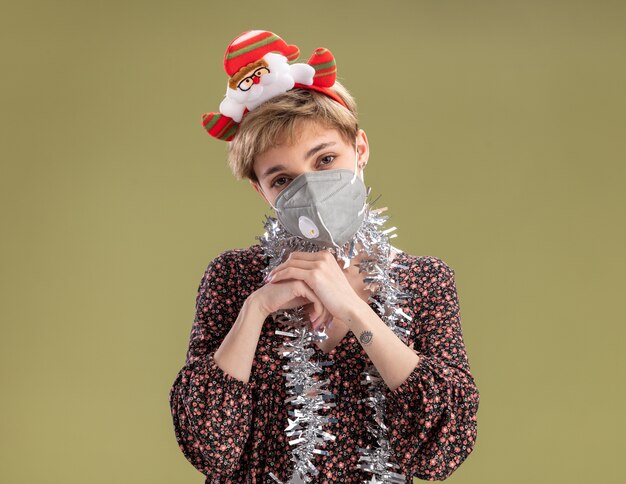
275, 182
326, 157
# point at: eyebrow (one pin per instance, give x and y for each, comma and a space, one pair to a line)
308, 155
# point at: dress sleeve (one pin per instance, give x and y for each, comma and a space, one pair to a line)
432, 415
212, 410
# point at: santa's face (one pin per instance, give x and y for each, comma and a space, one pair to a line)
248, 88
254, 77
249, 85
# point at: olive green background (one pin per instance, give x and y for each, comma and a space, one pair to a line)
497, 141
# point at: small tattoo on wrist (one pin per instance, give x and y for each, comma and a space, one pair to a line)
366, 338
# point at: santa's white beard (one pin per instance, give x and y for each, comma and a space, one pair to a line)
281, 84
244, 97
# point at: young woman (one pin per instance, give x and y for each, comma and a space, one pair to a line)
228, 402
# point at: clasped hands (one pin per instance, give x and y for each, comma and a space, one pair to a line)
325, 285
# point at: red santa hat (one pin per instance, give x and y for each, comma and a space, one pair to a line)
319, 74
251, 46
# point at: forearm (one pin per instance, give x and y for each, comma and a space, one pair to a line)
392, 358
236, 353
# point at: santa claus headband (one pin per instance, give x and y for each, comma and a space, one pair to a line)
260, 65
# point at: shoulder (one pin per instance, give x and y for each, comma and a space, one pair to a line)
250, 260
431, 282
428, 265
427, 274
236, 266
239, 258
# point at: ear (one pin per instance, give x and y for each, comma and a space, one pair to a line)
363, 147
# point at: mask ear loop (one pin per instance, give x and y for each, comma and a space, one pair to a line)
271, 204
356, 160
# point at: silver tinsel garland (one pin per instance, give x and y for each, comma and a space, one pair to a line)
308, 396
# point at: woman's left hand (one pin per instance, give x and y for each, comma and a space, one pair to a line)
322, 273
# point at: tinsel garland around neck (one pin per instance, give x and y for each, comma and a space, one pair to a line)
309, 396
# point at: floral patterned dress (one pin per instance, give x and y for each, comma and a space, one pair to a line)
233, 432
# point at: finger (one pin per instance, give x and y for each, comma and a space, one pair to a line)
303, 290
298, 302
322, 254
322, 319
305, 275
302, 264
327, 317
319, 324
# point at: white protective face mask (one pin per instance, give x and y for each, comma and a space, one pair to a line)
326, 206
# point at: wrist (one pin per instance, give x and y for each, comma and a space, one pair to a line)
356, 310
255, 304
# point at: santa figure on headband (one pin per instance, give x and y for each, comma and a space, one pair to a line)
261, 65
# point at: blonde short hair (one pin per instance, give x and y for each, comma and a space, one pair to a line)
267, 125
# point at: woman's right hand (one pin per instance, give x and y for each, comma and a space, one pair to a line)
289, 294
